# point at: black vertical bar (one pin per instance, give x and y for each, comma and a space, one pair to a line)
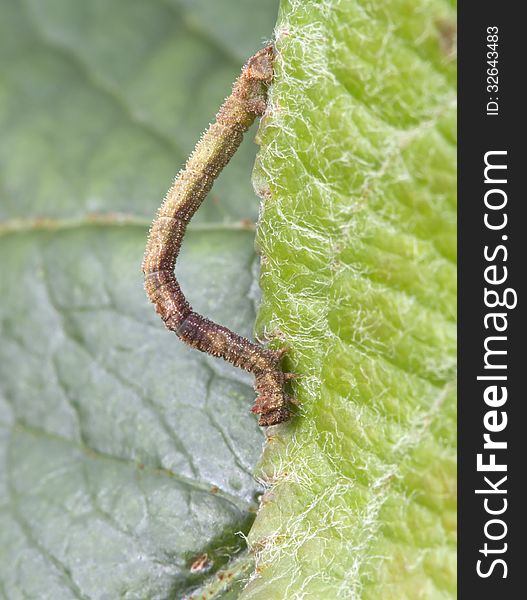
484, 128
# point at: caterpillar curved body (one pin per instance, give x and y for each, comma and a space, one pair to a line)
214, 150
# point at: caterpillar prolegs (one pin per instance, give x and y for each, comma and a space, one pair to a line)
214, 150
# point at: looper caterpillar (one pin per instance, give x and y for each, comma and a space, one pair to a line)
214, 150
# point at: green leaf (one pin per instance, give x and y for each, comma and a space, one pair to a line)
125, 455
357, 169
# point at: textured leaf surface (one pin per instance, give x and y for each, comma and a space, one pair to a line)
358, 174
124, 454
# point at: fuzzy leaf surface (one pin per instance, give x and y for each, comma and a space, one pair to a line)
358, 231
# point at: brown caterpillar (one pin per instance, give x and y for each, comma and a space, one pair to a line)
214, 150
